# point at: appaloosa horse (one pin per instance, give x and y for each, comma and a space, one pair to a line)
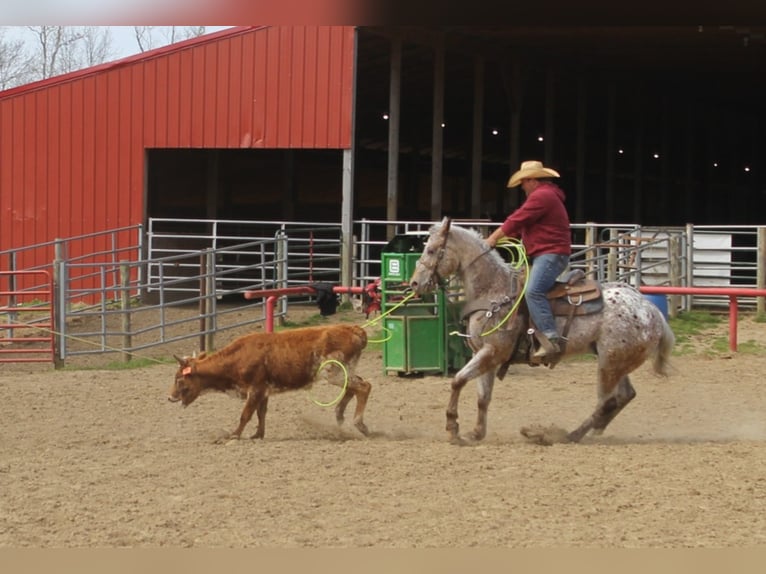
620, 326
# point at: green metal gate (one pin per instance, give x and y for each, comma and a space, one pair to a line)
417, 336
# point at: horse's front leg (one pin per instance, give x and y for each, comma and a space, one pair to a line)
484, 397
481, 364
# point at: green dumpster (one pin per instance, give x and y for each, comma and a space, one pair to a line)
416, 332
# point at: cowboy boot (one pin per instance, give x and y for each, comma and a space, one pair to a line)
549, 350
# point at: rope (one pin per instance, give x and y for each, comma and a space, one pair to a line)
345, 384
371, 322
518, 261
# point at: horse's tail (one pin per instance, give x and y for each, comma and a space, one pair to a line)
664, 348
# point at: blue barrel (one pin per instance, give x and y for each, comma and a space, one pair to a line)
660, 301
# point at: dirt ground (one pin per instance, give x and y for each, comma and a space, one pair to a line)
98, 458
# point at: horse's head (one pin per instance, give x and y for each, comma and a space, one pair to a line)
433, 264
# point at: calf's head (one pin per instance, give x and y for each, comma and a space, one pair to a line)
185, 388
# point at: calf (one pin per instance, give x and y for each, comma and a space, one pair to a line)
257, 365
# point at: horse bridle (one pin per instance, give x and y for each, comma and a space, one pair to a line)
435, 278
440, 253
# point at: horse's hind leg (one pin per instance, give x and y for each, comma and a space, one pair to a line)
609, 406
624, 393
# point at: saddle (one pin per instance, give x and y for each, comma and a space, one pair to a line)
574, 294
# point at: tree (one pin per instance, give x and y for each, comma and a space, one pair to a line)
15, 61
54, 49
150, 37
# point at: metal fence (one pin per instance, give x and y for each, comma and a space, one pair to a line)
206, 265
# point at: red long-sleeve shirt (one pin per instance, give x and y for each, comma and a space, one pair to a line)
542, 222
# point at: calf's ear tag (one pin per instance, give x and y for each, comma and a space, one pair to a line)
186, 371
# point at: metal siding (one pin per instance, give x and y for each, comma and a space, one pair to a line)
271, 81
321, 110
100, 159
122, 202
185, 78
297, 94
77, 144
198, 100
6, 175
72, 149
36, 202
53, 164
233, 97
260, 83
308, 125
161, 103
222, 84
209, 92
173, 97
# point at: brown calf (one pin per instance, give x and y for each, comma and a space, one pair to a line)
257, 365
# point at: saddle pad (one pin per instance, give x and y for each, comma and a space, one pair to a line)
562, 306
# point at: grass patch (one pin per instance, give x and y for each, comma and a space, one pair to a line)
688, 328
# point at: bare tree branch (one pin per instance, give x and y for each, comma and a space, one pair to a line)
15, 61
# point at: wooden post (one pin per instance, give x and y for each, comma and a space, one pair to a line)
760, 302
580, 150
674, 256
394, 104
611, 268
590, 259
611, 107
437, 133
478, 132
127, 338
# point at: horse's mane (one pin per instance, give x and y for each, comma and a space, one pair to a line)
473, 235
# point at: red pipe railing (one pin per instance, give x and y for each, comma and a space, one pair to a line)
271, 296
731, 292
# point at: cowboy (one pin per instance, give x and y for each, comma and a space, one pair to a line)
542, 224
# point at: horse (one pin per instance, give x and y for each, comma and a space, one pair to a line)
622, 328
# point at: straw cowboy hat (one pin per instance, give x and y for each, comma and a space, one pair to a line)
531, 170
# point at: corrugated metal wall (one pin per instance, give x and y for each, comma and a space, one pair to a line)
72, 148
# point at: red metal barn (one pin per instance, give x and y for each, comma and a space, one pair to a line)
74, 148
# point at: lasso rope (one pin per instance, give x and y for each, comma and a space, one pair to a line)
345, 383
518, 261
406, 298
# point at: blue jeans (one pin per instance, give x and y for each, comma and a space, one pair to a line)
542, 276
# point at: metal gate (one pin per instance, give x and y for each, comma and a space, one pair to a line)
26, 319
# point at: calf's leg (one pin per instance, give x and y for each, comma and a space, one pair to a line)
254, 398
361, 390
261, 413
